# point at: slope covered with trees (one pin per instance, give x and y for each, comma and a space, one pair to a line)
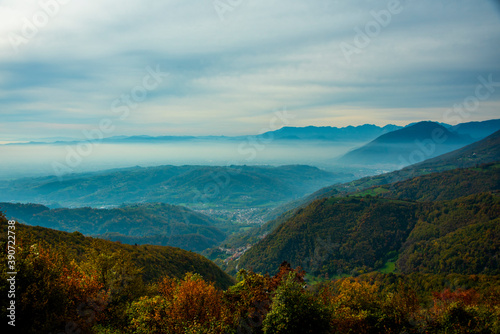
354, 235
446, 185
155, 261
458, 236
336, 235
484, 151
160, 224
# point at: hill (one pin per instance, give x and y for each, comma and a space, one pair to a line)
338, 236
406, 146
477, 130
195, 186
458, 236
450, 185
160, 224
484, 151
155, 261
335, 235
447, 185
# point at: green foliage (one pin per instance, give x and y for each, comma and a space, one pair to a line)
446, 185
459, 236
154, 261
353, 235
333, 236
250, 298
295, 311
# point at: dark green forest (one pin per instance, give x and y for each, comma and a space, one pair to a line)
355, 235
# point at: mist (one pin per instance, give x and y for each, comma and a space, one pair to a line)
28, 160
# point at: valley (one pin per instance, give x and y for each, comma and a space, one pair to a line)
435, 221
250, 167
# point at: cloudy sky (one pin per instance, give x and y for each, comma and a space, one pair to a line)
226, 67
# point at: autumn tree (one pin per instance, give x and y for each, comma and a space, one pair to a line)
190, 305
50, 291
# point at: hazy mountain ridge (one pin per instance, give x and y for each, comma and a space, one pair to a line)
359, 133
477, 130
483, 151
350, 133
233, 186
408, 145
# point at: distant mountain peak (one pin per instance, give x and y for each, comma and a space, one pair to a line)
418, 142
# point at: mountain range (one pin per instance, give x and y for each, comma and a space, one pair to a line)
408, 146
360, 133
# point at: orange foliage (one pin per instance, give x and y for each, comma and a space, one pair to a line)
189, 305
55, 292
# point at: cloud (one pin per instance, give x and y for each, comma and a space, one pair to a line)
228, 76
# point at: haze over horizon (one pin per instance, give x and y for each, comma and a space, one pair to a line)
228, 68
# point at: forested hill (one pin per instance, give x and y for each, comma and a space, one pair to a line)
355, 235
336, 235
154, 261
198, 186
160, 224
324, 236
446, 185
300, 235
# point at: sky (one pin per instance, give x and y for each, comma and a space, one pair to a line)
230, 67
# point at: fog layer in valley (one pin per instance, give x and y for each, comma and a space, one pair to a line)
28, 160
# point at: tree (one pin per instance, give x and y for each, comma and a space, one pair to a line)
294, 310
190, 305
52, 291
